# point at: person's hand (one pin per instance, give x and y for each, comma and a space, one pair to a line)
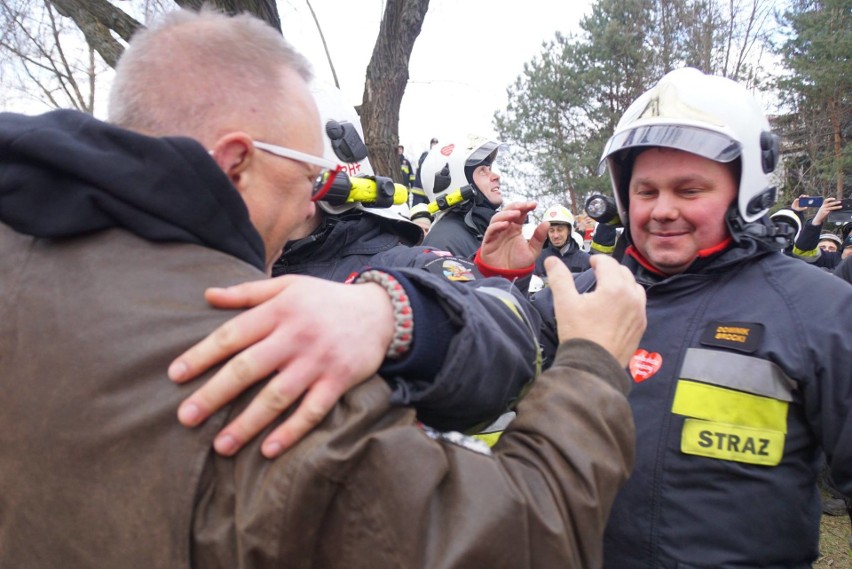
795, 205
318, 337
612, 315
828, 205
504, 245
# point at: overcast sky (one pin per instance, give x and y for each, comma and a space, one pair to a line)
467, 54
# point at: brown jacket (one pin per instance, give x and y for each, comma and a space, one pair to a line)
95, 471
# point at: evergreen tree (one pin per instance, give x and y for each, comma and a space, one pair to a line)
817, 53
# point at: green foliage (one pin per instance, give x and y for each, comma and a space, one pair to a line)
817, 54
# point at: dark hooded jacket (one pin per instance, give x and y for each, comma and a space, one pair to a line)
570, 254
460, 229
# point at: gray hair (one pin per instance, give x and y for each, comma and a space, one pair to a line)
199, 74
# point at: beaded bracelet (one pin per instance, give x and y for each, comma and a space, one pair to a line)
403, 316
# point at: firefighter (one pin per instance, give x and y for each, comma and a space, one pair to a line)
561, 242
742, 378
452, 166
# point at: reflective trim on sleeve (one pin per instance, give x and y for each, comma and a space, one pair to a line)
730, 442
808, 256
723, 405
603, 249
737, 371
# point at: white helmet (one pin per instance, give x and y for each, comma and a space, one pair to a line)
706, 115
789, 217
559, 214
450, 166
343, 143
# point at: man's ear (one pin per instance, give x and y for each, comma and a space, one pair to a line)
234, 153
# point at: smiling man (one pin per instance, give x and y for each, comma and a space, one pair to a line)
738, 384
560, 242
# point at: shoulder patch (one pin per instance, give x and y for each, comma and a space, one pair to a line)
741, 336
452, 269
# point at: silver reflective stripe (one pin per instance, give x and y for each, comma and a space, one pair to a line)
500, 424
743, 373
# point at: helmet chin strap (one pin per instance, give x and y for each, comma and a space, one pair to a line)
762, 230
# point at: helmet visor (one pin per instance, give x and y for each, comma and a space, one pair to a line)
483, 156
706, 143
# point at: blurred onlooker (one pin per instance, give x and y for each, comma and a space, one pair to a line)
844, 269
807, 245
829, 242
790, 219
847, 246
421, 215
560, 242
405, 166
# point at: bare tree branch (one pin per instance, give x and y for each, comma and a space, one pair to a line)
96, 18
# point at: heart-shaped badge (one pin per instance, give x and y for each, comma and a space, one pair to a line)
643, 365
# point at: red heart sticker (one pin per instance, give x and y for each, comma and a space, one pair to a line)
643, 365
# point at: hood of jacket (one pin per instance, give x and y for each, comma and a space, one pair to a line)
349, 233
65, 173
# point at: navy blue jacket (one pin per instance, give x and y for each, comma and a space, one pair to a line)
739, 384
460, 229
573, 257
472, 354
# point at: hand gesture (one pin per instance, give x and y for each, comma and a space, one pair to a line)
795, 205
504, 245
612, 315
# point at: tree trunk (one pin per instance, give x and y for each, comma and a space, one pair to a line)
96, 18
387, 77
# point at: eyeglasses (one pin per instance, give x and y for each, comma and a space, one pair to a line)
323, 181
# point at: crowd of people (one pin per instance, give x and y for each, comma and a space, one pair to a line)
392, 396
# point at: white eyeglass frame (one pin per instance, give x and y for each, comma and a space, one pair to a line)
295, 155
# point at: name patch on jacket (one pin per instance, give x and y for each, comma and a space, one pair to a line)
740, 336
732, 442
728, 424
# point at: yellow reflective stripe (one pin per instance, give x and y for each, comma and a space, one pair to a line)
732, 442
605, 249
810, 255
727, 406
489, 438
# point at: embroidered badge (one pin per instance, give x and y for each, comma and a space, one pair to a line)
740, 336
455, 271
643, 365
